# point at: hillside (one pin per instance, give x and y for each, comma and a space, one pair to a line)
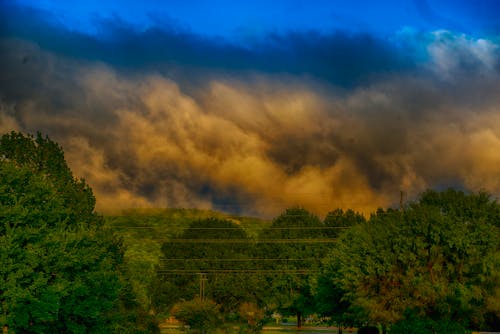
144, 230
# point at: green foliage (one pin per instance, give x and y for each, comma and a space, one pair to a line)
198, 315
328, 296
438, 257
418, 325
291, 293
338, 220
43, 156
60, 268
182, 259
129, 315
145, 230
329, 300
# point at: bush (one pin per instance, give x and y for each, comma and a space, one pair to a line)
198, 315
253, 316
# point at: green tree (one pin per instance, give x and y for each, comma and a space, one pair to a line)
294, 242
339, 220
129, 315
215, 247
45, 157
438, 258
329, 297
60, 270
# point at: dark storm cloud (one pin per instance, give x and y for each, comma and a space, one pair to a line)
293, 119
340, 57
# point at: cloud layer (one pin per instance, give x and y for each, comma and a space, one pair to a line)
263, 133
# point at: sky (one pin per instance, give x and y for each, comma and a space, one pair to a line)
253, 107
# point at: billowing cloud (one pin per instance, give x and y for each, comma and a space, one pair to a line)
7, 119
254, 137
454, 54
339, 57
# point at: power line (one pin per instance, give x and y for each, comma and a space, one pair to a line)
241, 228
221, 216
244, 241
240, 259
236, 271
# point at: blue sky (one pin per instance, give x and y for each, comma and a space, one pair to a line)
252, 107
236, 18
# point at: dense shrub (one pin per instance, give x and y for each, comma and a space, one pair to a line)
415, 325
198, 315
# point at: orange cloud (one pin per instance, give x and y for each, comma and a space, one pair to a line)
262, 144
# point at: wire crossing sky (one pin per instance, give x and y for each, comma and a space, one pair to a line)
252, 107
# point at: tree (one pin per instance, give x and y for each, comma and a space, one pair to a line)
437, 259
218, 249
329, 297
339, 220
42, 156
60, 269
294, 262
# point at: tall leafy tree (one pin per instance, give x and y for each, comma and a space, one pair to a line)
59, 269
437, 259
42, 156
339, 220
294, 242
328, 296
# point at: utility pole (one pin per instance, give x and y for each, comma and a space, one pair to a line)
401, 201
203, 279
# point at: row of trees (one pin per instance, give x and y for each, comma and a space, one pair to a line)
273, 271
433, 265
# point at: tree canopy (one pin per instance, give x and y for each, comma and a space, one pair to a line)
438, 259
60, 269
214, 247
296, 260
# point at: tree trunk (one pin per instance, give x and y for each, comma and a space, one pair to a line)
299, 320
340, 329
